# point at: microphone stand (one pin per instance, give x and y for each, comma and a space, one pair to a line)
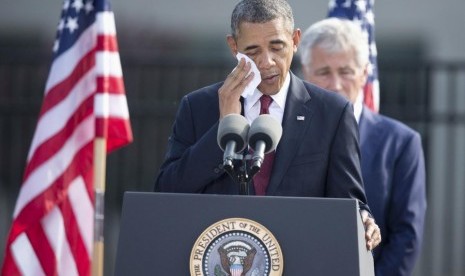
241, 176
243, 180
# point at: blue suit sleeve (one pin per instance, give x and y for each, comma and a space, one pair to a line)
344, 170
406, 215
192, 157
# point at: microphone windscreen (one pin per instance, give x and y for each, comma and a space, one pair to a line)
267, 129
233, 127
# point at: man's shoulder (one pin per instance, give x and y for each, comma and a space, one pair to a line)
205, 92
391, 126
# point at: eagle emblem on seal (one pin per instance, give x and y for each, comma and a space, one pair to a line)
237, 257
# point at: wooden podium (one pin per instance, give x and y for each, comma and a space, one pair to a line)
316, 236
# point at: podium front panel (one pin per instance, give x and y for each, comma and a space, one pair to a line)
317, 236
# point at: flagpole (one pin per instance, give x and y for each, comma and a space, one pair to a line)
99, 191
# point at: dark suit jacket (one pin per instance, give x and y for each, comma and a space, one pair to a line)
316, 157
394, 176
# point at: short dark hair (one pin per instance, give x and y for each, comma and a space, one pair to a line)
261, 11
334, 35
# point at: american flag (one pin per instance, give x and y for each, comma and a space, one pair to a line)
361, 12
52, 230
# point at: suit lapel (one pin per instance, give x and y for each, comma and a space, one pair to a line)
297, 117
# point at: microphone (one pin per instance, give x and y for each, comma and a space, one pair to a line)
232, 135
264, 135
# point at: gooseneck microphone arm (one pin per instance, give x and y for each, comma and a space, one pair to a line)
229, 155
258, 157
232, 137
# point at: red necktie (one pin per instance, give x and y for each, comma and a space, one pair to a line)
262, 178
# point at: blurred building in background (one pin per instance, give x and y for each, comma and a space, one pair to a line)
171, 47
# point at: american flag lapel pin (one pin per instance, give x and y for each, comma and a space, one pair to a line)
300, 118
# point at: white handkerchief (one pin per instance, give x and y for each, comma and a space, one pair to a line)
257, 78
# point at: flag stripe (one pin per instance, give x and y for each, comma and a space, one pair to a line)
76, 234
81, 190
107, 105
84, 64
9, 267
116, 128
48, 148
81, 205
43, 176
108, 64
66, 63
106, 23
62, 89
107, 43
54, 227
39, 242
111, 85
376, 94
55, 119
25, 257
35, 210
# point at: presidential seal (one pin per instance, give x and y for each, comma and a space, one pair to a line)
236, 247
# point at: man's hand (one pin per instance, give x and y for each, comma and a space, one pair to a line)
372, 232
229, 94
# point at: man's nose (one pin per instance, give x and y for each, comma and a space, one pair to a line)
265, 60
335, 83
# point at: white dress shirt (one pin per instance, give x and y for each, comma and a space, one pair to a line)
252, 103
358, 106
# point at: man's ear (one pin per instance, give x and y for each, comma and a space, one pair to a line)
232, 44
296, 38
365, 72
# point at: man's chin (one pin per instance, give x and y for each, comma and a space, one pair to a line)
269, 90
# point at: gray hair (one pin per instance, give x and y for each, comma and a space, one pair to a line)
261, 11
334, 35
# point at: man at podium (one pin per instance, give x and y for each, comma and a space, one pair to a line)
318, 154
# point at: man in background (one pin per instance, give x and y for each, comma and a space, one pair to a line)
329, 166
334, 56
